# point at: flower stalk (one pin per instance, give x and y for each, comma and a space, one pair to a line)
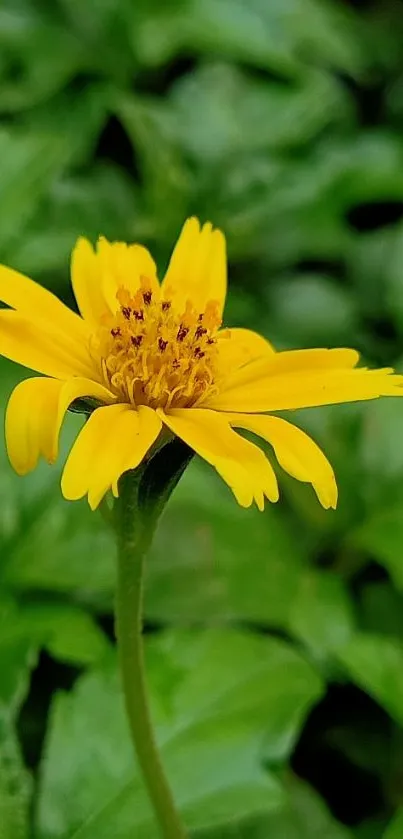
142, 497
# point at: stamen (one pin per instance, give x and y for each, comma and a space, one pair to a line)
150, 354
182, 332
136, 340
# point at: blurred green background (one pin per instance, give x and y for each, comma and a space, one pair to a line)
275, 640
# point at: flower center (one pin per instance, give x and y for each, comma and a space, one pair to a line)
153, 355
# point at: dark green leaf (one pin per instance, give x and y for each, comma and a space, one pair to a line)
216, 697
220, 564
322, 613
15, 788
305, 816
233, 105
395, 829
375, 663
38, 55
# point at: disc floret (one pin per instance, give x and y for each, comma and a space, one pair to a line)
151, 353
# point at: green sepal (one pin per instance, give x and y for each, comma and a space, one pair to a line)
144, 492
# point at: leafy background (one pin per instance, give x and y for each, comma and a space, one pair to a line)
275, 640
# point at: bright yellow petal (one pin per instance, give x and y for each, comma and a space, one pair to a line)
115, 438
295, 451
308, 389
198, 267
86, 279
35, 414
241, 464
37, 303
30, 421
124, 266
291, 361
238, 347
42, 347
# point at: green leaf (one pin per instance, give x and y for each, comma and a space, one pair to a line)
381, 609
39, 56
68, 633
232, 104
17, 657
394, 275
104, 36
375, 663
380, 536
313, 310
322, 613
168, 182
380, 449
30, 162
217, 697
103, 200
15, 788
395, 828
222, 563
305, 816
272, 36
78, 119
222, 27
65, 548
370, 829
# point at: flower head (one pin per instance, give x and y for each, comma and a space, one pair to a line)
148, 356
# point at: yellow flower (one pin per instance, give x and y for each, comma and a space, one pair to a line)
154, 357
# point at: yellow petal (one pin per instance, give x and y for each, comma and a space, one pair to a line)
124, 266
35, 414
37, 303
241, 464
41, 347
238, 347
292, 361
86, 279
198, 267
115, 438
307, 389
297, 453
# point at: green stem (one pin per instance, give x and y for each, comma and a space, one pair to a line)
135, 534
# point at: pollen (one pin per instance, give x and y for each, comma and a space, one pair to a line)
151, 353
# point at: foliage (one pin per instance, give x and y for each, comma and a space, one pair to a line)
275, 640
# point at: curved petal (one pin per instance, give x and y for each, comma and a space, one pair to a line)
237, 347
297, 453
34, 416
115, 438
38, 304
124, 266
292, 361
86, 279
97, 275
197, 270
241, 464
308, 389
41, 347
